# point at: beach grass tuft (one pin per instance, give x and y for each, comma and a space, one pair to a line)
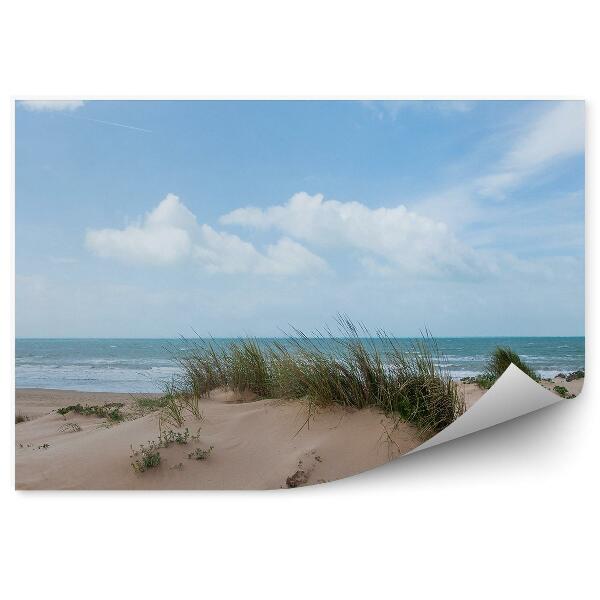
351, 368
500, 359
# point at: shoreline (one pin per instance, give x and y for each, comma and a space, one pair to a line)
141, 365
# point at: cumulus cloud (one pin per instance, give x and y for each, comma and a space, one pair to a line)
227, 253
170, 234
396, 235
557, 134
164, 237
51, 105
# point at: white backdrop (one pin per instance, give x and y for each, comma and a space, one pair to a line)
509, 512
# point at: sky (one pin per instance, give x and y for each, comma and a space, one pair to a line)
160, 218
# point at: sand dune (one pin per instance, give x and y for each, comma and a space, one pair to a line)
255, 445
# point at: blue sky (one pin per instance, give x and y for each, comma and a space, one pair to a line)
150, 218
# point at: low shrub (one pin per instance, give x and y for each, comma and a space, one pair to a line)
147, 457
110, 411
200, 454
562, 391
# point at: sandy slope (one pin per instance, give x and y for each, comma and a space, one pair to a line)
574, 387
255, 446
472, 392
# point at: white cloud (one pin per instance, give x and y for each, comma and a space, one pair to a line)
163, 238
557, 134
392, 108
403, 238
227, 253
170, 233
51, 105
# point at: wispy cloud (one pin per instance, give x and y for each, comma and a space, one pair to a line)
69, 106
557, 134
52, 105
392, 108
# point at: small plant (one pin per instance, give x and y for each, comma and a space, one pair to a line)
563, 391
43, 446
147, 457
200, 454
69, 428
21, 418
173, 437
110, 411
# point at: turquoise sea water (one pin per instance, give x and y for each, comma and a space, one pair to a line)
140, 365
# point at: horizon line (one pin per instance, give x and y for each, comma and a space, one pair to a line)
230, 337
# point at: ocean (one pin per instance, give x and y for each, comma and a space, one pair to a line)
141, 365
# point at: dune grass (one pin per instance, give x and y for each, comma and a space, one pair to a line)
351, 368
500, 359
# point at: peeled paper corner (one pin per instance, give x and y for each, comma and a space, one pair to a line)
514, 394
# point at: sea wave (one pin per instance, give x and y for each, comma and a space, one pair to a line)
142, 365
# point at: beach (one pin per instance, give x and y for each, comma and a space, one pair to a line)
256, 443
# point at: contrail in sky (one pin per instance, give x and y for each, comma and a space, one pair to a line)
109, 123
